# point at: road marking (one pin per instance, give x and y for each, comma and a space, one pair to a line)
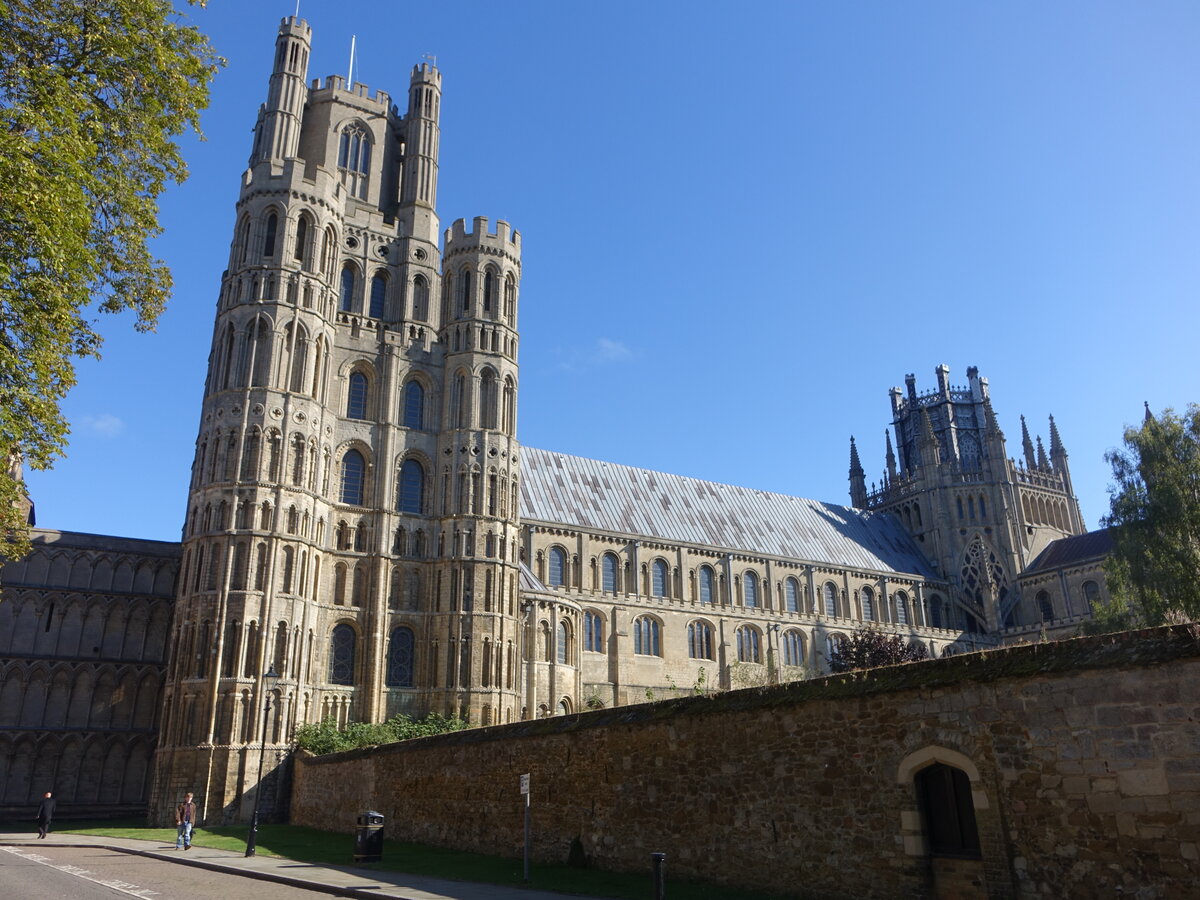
123, 886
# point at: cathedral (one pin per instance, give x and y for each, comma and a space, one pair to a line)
363, 523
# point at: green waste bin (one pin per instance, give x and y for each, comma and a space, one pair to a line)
368, 838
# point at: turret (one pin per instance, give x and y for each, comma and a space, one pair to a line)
858, 481
422, 135
277, 134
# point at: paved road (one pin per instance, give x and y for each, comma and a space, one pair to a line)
93, 873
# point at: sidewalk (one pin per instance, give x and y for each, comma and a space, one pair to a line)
337, 880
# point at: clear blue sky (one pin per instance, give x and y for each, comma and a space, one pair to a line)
743, 223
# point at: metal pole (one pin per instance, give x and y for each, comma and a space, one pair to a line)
527, 837
659, 875
252, 840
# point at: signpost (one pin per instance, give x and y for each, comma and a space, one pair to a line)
525, 791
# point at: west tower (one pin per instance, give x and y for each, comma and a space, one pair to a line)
351, 520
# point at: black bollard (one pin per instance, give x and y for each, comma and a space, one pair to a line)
659, 875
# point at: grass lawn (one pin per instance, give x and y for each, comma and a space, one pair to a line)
333, 848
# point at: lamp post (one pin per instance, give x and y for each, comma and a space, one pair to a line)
269, 680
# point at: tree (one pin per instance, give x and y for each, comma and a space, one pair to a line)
869, 647
92, 95
1153, 573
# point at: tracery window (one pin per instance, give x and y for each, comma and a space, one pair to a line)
593, 632
700, 640
400, 658
354, 160
793, 648
647, 636
749, 644
341, 655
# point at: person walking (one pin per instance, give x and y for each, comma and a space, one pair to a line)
185, 821
44, 814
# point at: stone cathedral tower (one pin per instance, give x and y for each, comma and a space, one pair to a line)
352, 518
980, 517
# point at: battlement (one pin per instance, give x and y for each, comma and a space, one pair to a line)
291, 25
336, 83
424, 73
504, 238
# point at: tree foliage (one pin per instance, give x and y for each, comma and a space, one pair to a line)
93, 94
326, 737
869, 647
1153, 573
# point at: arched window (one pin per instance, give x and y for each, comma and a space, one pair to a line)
558, 567
750, 589
347, 293
458, 401
354, 160
341, 655
464, 291
791, 595
510, 406
269, 237
410, 493
414, 405
867, 596
593, 632
1045, 607
1091, 593
489, 291
830, 592
658, 578
706, 584
300, 251
948, 812
793, 648
400, 658
420, 306
608, 573
901, 607
487, 399
935, 611
647, 636
354, 470
356, 396
378, 295
510, 298
700, 640
749, 644
563, 648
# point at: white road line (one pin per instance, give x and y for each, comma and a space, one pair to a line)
123, 886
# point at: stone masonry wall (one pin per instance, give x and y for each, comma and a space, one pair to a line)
1083, 757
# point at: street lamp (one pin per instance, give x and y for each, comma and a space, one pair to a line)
269, 680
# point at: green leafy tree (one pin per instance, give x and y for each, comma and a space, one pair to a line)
325, 736
1153, 573
869, 647
93, 94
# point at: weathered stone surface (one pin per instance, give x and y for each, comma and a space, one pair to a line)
798, 788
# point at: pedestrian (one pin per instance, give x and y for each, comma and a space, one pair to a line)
45, 814
185, 821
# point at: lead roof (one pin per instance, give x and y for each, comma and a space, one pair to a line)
590, 495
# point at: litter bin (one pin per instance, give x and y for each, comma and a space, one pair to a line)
368, 838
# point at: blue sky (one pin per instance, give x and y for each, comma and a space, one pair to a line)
742, 223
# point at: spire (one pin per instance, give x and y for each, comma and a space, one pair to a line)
1056, 445
891, 456
1042, 462
858, 478
1149, 417
1027, 446
989, 419
928, 448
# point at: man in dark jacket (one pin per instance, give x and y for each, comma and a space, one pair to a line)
185, 819
45, 814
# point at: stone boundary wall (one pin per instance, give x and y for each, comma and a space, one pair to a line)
1083, 757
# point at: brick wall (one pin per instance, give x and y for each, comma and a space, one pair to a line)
1083, 757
